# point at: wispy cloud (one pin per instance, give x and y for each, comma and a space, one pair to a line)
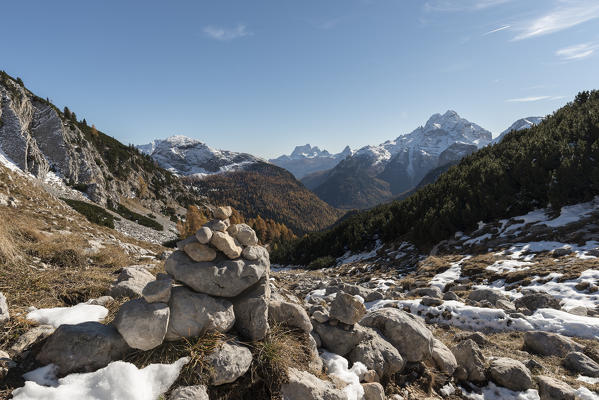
533, 98
226, 34
576, 52
461, 5
497, 30
570, 13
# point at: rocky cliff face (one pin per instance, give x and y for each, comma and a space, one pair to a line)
45, 142
306, 160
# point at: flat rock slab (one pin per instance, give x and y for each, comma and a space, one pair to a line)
193, 314
222, 278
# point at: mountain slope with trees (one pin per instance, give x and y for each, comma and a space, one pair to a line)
553, 163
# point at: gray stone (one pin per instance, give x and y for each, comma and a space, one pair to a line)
289, 314
227, 363
347, 309
315, 363
100, 301
451, 296
83, 347
31, 337
303, 385
552, 389
199, 252
222, 212
549, 344
407, 333
193, 314
225, 243
373, 391
534, 301
511, 374
223, 278
471, 359
374, 295
581, 363
254, 253
432, 291
338, 340
251, 310
245, 235
430, 301
203, 235
158, 291
321, 316
143, 325
131, 282
197, 392
443, 357
490, 295
4, 315
377, 354
182, 243
579, 310
217, 225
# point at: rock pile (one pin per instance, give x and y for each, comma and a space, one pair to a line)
217, 279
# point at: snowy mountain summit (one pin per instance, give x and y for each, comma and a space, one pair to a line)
305, 160
522, 123
187, 156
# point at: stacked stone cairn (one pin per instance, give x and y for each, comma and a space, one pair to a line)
216, 280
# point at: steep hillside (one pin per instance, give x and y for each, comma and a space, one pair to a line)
271, 192
306, 160
375, 174
50, 143
550, 163
522, 123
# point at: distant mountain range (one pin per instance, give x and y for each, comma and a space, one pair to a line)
305, 160
523, 123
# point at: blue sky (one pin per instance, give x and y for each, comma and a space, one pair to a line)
264, 76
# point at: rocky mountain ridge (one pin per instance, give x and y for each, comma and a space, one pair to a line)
305, 160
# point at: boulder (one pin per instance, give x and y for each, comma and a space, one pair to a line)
581, 363
373, 391
443, 357
377, 354
143, 325
244, 235
131, 282
321, 316
83, 347
511, 374
203, 235
197, 392
338, 340
158, 291
471, 359
182, 243
290, 314
451, 296
347, 309
354, 290
193, 314
432, 291
222, 278
407, 333
227, 363
222, 212
303, 385
199, 252
251, 310
315, 363
552, 389
226, 244
489, 295
254, 253
549, 344
536, 300
430, 301
374, 295
217, 225
4, 315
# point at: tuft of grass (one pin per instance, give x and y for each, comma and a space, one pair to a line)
8, 249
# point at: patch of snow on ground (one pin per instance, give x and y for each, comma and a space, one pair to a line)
575, 213
505, 266
68, 315
349, 257
478, 239
450, 275
118, 380
45, 376
494, 392
496, 320
337, 367
8, 163
583, 393
588, 379
566, 291
383, 284
526, 251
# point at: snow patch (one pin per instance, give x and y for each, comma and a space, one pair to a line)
452, 274
494, 392
337, 367
68, 315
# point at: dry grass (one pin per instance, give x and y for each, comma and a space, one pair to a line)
8, 250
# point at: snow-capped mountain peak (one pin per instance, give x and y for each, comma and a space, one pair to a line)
307, 159
522, 123
183, 155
